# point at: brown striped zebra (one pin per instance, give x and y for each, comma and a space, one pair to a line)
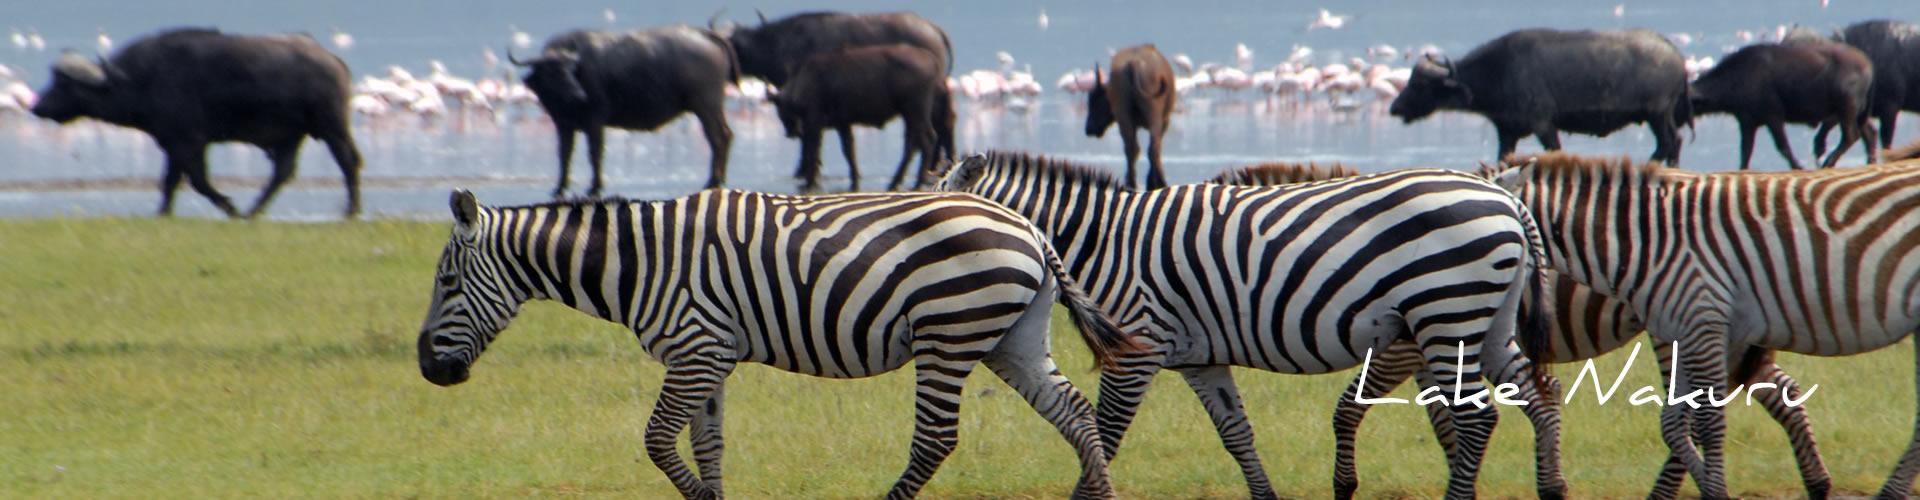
833, 286
1294, 279
1815, 262
1586, 325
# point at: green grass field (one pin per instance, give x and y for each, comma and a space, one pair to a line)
214, 359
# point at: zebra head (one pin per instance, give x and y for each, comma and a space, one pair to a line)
963, 175
472, 300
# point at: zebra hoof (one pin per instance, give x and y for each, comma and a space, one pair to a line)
1553, 494
1344, 490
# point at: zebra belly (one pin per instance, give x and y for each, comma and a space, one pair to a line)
1286, 351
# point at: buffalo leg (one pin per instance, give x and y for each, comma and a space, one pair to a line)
1777, 127
1747, 131
1131, 145
566, 159
596, 152
713, 121
1889, 114
286, 160
191, 161
169, 183
1509, 140
1820, 139
810, 159
846, 150
340, 143
1156, 178
1666, 137
1548, 136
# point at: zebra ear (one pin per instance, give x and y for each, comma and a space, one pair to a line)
466, 209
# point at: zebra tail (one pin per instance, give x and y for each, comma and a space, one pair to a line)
1103, 336
1535, 323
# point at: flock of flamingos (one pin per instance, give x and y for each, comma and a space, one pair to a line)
1302, 78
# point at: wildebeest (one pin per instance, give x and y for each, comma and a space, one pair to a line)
1894, 49
639, 80
868, 85
1773, 84
773, 50
1138, 93
191, 87
1539, 82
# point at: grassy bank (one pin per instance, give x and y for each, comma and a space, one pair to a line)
197, 358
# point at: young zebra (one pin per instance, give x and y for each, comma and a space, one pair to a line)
1816, 262
1294, 279
832, 286
1586, 325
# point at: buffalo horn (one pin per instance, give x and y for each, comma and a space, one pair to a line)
763, 16
713, 23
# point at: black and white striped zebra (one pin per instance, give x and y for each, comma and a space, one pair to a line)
1586, 325
1295, 279
832, 286
1819, 262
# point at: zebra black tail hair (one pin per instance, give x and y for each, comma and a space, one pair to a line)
1103, 337
1535, 324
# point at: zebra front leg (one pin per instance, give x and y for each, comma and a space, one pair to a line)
1793, 420
1030, 370
1703, 359
1382, 374
708, 446
939, 378
1900, 484
689, 384
1682, 458
1214, 385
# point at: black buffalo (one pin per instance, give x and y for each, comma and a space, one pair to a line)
1539, 82
869, 85
1773, 84
188, 88
1894, 49
590, 80
772, 50
1138, 94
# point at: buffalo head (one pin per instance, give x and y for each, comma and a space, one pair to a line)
80, 88
554, 77
1099, 111
790, 109
1433, 85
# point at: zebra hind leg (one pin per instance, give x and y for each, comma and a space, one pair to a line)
1473, 425
1384, 373
1214, 385
1543, 411
708, 446
685, 392
1022, 359
940, 374
1900, 484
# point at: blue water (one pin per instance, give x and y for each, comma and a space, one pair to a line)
410, 165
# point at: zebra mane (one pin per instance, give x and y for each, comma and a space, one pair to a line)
573, 202
1593, 168
1026, 165
1274, 173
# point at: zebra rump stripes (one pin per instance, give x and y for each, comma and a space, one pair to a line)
833, 286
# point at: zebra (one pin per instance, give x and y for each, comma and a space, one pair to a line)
833, 286
1586, 325
1799, 261
1197, 270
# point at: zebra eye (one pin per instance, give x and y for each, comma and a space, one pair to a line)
449, 280
444, 341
